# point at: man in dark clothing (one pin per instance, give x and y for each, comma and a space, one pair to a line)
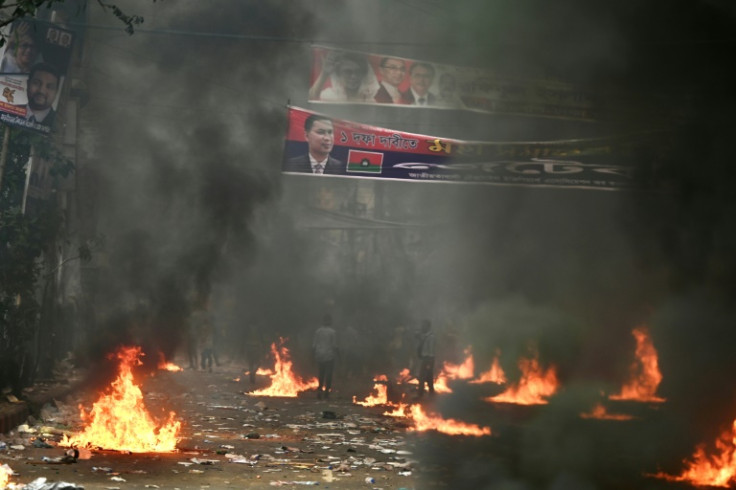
324, 347
426, 353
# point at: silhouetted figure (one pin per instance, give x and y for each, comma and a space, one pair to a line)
426, 353
206, 335
324, 346
254, 349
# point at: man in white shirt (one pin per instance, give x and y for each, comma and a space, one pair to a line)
320, 136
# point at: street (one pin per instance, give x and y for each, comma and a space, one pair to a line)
232, 439
229, 439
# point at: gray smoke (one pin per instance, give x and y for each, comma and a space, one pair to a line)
184, 132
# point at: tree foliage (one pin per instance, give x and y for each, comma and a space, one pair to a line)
10, 10
26, 239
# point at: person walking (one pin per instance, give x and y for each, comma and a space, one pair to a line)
426, 354
324, 347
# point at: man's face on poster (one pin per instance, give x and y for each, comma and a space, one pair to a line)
42, 89
421, 79
393, 71
26, 52
351, 74
320, 138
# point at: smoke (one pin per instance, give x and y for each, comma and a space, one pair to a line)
184, 131
182, 135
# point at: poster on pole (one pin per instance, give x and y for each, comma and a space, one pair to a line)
33, 64
352, 77
321, 146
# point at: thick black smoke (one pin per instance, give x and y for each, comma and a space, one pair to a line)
184, 135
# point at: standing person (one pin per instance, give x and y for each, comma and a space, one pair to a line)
192, 353
324, 347
202, 324
320, 136
421, 76
253, 348
426, 353
393, 71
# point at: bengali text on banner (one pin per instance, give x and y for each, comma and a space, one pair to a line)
349, 149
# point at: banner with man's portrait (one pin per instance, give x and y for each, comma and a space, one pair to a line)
340, 77
323, 146
33, 66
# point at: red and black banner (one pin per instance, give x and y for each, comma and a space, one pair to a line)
349, 149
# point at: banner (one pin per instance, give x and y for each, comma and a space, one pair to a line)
319, 145
352, 77
33, 66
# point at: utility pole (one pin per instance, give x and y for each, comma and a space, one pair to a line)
4, 156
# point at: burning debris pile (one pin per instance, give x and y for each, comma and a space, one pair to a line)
284, 382
645, 374
292, 435
714, 470
533, 388
119, 419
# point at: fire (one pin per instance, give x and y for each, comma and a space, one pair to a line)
163, 364
494, 375
645, 375
399, 411
381, 389
454, 371
465, 370
423, 421
406, 377
5, 473
119, 420
533, 387
600, 412
718, 470
284, 382
440, 384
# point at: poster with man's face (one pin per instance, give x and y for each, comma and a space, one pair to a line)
33, 66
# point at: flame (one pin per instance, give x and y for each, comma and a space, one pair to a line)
454, 371
284, 382
119, 420
600, 412
423, 421
381, 397
533, 387
399, 411
260, 371
165, 365
440, 384
645, 375
406, 377
494, 375
465, 370
718, 470
5, 472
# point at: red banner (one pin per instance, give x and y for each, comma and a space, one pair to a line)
320, 145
